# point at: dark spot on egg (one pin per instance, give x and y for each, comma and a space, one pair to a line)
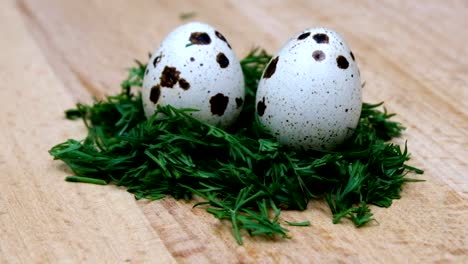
221, 37
346, 110
239, 102
303, 36
192, 59
200, 38
352, 56
184, 84
271, 68
342, 62
169, 77
321, 38
157, 60
218, 104
318, 55
155, 93
261, 106
147, 71
222, 60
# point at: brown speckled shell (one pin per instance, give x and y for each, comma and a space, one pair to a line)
312, 98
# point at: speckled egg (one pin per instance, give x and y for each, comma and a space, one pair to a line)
309, 96
195, 67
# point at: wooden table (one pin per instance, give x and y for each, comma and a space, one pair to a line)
412, 54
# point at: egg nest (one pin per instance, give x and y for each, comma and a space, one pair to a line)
242, 174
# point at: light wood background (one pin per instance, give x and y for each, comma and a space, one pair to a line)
53, 53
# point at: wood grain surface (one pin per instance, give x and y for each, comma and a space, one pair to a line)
53, 54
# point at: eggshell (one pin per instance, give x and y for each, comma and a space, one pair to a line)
195, 67
309, 96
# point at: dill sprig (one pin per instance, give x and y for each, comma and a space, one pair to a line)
187, 15
243, 174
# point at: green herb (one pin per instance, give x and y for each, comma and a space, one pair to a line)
305, 223
85, 180
187, 16
244, 175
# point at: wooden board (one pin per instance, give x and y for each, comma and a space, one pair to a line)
55, 53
